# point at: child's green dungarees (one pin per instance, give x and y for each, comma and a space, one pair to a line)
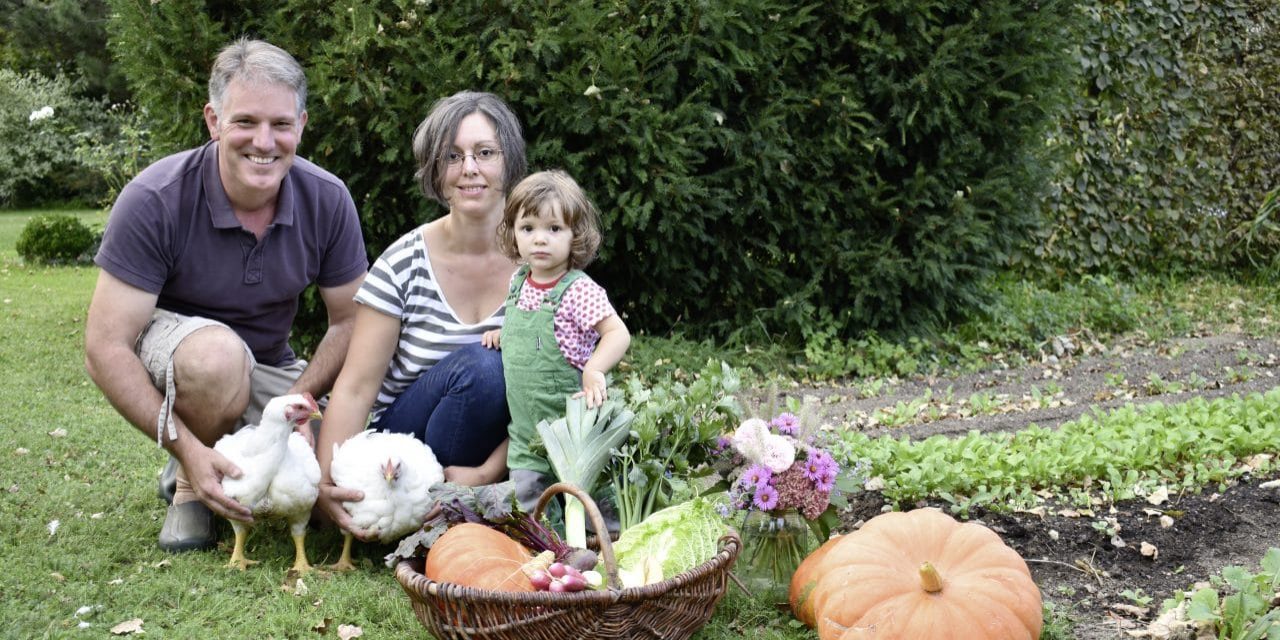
538, 380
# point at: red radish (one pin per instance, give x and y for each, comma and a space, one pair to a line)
557, 569
556, 587
573, 583
540, 580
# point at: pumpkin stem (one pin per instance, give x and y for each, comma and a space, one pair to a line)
929, 578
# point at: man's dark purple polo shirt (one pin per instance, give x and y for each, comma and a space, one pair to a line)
172, 232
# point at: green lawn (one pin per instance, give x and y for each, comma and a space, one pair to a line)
79, 515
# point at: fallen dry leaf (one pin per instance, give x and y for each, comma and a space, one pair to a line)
21, 451
53, 526
1149, 550
322, 626
1159, 496
58, 577
127, 627
1166, 522
58, 433
162, 564
1133, 610
349, 631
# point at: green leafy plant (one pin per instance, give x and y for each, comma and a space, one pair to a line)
1185, 445
1157, 385
1238, 602
55, 238
676, 426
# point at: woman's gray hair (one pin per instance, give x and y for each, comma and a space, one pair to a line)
255, 61
434, 138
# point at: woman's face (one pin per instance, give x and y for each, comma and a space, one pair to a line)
473, 181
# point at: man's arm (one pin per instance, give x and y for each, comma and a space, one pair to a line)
322, 370
117, 314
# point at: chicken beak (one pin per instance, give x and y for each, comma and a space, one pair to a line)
389, 471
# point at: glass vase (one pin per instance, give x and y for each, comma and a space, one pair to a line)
773, 545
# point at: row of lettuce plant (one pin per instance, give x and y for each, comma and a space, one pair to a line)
1118, 455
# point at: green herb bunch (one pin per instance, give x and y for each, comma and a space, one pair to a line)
674, 431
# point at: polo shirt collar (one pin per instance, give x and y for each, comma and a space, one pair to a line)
220, 211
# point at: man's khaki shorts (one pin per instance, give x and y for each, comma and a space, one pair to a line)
160, 339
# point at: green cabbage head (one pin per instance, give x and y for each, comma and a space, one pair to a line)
679, 538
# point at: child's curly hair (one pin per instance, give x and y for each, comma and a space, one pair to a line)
551, 192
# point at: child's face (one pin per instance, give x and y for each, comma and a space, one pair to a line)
544, 239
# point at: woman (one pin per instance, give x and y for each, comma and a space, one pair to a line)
415, 364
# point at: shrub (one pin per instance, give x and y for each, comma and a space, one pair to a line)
55, 238
39, 117
757, 163
1172, 139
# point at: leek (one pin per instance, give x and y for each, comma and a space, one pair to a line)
579, 445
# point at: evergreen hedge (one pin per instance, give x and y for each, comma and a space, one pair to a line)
760, 165
1171, 140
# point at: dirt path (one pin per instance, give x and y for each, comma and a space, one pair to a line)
1076, 566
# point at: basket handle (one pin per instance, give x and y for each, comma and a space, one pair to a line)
597, 521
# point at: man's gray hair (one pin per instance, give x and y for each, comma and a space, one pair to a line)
255, 61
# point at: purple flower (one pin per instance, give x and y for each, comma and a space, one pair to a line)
722, 443
826, 480
786, 424
766, 498
818, 464
757, 475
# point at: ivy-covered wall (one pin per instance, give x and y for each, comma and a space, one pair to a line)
762, 166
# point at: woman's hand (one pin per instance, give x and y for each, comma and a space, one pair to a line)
329, 506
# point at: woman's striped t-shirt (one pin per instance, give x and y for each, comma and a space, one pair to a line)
402, 284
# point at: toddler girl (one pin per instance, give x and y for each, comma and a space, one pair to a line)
560, 335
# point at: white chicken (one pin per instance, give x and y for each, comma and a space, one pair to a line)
395, 471
280, 477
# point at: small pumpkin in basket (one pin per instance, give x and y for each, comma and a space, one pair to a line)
917, 574
474, 555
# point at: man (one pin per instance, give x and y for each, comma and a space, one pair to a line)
204, 256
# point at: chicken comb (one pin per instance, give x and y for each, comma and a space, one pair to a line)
311, 401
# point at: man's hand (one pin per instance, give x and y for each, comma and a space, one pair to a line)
205, 469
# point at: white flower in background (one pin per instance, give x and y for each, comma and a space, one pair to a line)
754, 441
40, 114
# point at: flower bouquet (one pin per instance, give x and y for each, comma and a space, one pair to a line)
782, 484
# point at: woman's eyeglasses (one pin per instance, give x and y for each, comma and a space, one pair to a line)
483, 155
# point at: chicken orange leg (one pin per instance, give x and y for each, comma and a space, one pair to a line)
344, 563
299, 533
238, 560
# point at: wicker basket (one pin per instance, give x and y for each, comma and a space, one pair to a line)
672, 609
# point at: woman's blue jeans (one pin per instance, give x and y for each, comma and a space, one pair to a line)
458, 407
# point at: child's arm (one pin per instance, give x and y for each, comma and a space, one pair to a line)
492, 339
614, 340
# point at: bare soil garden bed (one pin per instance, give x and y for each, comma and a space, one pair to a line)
1077, 566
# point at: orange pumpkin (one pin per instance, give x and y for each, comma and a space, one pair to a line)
474, 555
918, 574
